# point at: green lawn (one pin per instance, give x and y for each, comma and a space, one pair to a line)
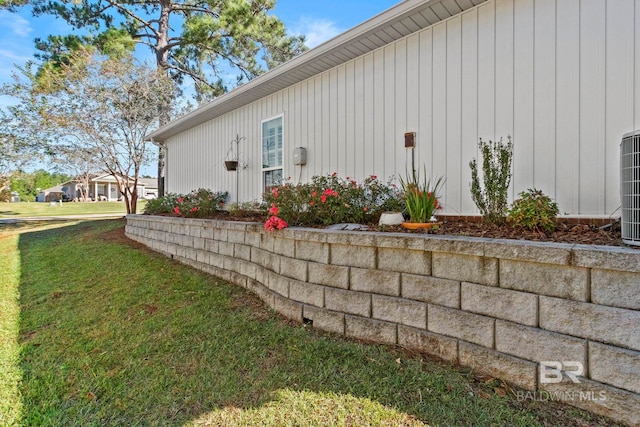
33, 209
96, 331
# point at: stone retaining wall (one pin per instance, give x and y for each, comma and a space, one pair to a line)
498, 306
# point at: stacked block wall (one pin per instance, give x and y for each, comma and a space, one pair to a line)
498, 306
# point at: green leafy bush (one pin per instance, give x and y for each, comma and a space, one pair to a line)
197, 204
534, 210
330, 199
162, 205
491, 196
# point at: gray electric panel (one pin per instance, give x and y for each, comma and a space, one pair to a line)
300, 156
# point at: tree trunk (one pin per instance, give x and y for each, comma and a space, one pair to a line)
162, 54
133, 203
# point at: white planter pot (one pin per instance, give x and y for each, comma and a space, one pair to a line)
391, 218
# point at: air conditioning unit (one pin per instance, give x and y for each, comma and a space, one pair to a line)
630, 187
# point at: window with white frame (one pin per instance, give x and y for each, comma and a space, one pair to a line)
272, 151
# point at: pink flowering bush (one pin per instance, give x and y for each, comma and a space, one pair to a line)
275, 223
330, 199
197, 204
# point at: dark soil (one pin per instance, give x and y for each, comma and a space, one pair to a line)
565, 232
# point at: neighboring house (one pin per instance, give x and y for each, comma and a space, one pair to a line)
562, 77
102, 187
53, 194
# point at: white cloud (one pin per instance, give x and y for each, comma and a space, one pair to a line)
316, 31
15, 24
13, 56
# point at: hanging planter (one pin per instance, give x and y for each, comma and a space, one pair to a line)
231, 165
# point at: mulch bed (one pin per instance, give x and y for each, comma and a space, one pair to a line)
566, 231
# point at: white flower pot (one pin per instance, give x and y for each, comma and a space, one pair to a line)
391, 218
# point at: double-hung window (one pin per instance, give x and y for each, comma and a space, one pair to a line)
272, 151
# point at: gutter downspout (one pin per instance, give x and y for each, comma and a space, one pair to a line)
162, 151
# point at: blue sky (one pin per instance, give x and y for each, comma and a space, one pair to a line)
319, 21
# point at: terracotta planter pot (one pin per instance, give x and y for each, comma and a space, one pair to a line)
421, 225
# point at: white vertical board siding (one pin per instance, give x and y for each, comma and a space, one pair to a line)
341, 128
359, 136
424, 138
437, 164
350, 125
523, 77
504, 63
396, 154
388, 146
620, 76
413, 88
378, 105
567, 135
486, 71
592, 105
560, 76
453, 185
470, 105
544, 95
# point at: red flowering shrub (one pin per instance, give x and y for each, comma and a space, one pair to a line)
197, 204
331, 200
275, 223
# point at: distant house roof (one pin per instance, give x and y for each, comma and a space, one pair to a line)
56, 189
393, 24
149, 183
108, 177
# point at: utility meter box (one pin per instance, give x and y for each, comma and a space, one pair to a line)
300, 156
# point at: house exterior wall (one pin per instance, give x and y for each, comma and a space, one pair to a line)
559, 76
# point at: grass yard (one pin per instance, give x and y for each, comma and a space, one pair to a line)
96, 330
34, 209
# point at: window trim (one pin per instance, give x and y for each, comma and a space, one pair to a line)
271, 168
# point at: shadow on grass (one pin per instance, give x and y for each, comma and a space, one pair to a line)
114, 334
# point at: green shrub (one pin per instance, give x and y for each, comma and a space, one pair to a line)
496, 170
255, 207
162, 205
330, 199
534, 210
197, 204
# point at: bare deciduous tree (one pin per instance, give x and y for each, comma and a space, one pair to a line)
100, 106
